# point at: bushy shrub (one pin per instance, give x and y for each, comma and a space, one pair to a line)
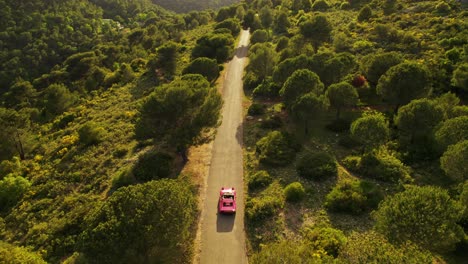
259, 36
276, 148
18, 255
383, 165
91, 134
63, 121
153, 165
352, 163
327, 239
354, 197
320, 5
260, 209
256, 109
272, 122
317, 165
294, 192
259, 179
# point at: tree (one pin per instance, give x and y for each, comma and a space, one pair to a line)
231, 24
318, 29
453, 162
165, 59
371, 130
372, 247
207, 67
286, 68
57, 99
451, 132
15, 126
375, 65
262, 61
403, 83
141, 223
307, 107
12, 189
266, 17
214, 46
259, 36
21, 94
341, 95
415, 122
180, 112
298, 84
281, 22
426, 216
460, 77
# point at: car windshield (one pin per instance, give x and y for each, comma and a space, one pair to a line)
228, 196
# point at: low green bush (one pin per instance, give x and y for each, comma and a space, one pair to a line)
266, 89
272, 122
276, 148
12, 189
294, 192
317, 165
382, 165
327, 239
153, 165
259, 179
123, 178
352, 163
354, 197
256, 109
260, 209
91, 134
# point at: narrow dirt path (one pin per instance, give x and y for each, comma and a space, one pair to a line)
223, 236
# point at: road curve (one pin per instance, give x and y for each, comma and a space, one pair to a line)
223, 236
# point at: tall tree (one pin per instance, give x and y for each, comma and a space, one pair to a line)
180, 112
453, 162
342, 95
451, 132
262, 61
307, 107
375, 65
300, 83
426, 216
318, 30
403, 83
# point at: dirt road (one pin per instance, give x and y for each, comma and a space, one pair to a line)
223, 236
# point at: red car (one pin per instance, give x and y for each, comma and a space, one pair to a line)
227, 201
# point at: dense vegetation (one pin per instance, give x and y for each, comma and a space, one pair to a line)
355, 153
375, 93
99, 102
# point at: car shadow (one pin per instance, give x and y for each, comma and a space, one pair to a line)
225, 223
241, 52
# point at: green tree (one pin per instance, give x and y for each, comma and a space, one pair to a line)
403, 83
214, 46
15, 129
180, 112
58, 99
165, 59
451, 132
207, 67
141, 223
318, 29
341, 95
286, 68
18, 255
375, 65
281, 22
415, 122
266, 17
460, 77
21, 94
298, 84
262, 61
427, 216
231, 24
12, 189
259, 36
306, 107
372, 247
453, 162
371, 130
